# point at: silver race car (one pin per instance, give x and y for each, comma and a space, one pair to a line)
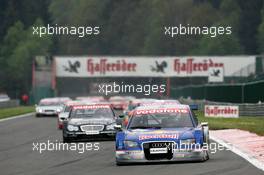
50, 106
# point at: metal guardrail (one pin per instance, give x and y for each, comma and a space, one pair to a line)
251, 109
245, 109
9, 104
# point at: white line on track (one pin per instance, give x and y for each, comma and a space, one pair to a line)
16, 117
242, 154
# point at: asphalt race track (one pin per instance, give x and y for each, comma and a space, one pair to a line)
17, 156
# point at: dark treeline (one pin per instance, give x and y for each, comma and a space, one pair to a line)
127, 27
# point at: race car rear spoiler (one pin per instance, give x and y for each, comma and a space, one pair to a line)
193, 107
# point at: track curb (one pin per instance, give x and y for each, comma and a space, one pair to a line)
240, 152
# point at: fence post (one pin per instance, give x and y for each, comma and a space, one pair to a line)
168, 86
205, 92
242, 93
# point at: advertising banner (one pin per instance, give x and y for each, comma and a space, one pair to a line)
150, 66
221, 111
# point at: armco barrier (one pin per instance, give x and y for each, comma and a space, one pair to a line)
245, 109
9, 104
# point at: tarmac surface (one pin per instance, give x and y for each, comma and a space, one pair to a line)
18, 155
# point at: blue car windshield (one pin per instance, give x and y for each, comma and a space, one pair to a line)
161, 120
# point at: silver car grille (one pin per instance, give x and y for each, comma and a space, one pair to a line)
92, 127
49, 110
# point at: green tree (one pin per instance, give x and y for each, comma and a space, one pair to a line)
260, 34
20, 48
14, 35
81, 13
223, 44
26, 11
249, 22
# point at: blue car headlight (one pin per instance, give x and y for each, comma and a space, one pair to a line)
130, 144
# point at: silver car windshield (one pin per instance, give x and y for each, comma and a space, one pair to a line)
50, 104
92, 113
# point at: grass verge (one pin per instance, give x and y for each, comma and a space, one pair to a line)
10, 112
252, 124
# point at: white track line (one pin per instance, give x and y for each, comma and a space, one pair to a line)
246, 156
18, 116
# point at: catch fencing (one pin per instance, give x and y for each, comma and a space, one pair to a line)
252, 92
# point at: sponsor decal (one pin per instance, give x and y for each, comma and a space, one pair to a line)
158, 103
158, 150
162, 110
159, 136
221, 111
91, 106
160, 145
92, 132
190, 65
104, 65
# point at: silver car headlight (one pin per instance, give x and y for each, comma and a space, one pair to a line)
58, 110
72, 128
130, 144
111, 126
39, 110
187, 142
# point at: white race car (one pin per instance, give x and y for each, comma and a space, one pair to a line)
50, 106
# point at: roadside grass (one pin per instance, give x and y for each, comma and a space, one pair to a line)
252, 124
10, 112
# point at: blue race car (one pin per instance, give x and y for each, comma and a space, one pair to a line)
162, 133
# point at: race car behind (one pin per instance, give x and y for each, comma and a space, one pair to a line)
119, 102
50, 106
64, 114
89, 122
